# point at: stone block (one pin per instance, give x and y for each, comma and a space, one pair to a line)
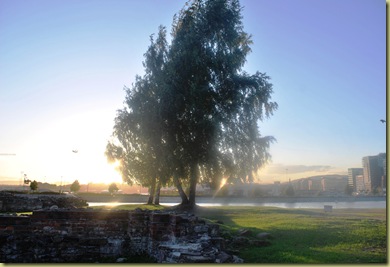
263, 235
198, 259
159, 218
218, 242
223, 257
244, 232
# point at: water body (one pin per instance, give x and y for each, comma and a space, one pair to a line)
381, 204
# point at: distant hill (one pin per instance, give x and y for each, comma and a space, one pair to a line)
319, 177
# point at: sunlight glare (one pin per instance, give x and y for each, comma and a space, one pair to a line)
223, 182
53, 148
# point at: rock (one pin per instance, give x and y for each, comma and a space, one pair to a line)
223, 257
240, 240
166, 237
121, 260
214, 230
47, 229
64, 233
244, 232
237, 259
30, 202
176, 254
54, 207
205, 237
200, 228
198, 259
57, 238
218, 242
263, 235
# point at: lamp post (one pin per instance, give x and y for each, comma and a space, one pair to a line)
21, 180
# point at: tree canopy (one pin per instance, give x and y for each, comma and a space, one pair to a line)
34, 185
113, 188
194, 116
75, 186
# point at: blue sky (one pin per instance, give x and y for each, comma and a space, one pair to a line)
63, 65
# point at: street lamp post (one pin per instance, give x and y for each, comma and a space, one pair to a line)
286, 174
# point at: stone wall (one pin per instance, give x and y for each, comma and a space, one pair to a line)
86, 235
13, 202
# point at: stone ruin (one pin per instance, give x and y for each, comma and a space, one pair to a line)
14, 202
87, 235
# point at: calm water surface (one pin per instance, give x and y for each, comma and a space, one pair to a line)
297, 205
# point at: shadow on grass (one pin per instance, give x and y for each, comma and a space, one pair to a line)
316, 246
306, 236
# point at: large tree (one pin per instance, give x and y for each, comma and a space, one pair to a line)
138, 143
194, 116
34, 186
213, 107
75, 186
113, 188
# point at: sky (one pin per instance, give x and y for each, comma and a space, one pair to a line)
63, 66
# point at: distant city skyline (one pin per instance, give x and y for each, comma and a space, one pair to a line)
295, 169
63, 66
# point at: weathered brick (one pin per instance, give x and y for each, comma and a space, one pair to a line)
81, 235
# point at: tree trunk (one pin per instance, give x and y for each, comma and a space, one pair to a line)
157, 193
184, 199
193, 182
152, 189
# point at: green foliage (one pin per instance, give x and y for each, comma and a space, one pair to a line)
112, 189
138, 143
193, 117
75, 186
34, 185
216, 105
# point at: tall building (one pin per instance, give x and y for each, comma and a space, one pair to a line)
360, 186
374, 171
383, 161
335, 183
352, 173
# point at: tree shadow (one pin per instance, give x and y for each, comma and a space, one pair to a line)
314, 246
301, 245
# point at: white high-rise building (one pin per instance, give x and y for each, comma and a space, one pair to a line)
352, 173
374, 171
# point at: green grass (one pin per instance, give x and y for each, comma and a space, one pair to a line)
131, 207
307, 236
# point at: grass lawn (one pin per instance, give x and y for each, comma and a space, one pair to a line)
308, 236
302, 235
